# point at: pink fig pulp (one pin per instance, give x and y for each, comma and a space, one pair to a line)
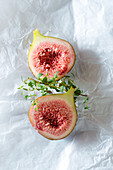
47, 55
56, 116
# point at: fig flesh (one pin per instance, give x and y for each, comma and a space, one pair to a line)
56, 116
47, 55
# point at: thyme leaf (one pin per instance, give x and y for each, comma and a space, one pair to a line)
49, 86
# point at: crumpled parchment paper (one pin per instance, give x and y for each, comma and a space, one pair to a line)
88, 26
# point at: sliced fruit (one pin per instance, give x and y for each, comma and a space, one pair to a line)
49, 55
56, 116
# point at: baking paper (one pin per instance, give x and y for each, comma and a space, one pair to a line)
88, 26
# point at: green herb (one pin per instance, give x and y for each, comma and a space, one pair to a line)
30, 84
39, 75
21, 78
61, 88
25, 97
25, 89
44, 80
47, 86
34, 82
55, 76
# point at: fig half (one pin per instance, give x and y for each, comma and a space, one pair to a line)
48, 55
56, 116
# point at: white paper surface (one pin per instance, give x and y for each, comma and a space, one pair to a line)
88, 26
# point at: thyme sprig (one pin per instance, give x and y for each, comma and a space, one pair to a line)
45, 85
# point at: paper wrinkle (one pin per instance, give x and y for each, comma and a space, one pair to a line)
88, 26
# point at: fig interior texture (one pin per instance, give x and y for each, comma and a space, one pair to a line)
56, 115
49, 55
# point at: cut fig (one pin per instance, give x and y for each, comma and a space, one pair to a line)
56, 116
48, 55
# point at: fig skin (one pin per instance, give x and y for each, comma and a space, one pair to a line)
68, 98
37, 38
